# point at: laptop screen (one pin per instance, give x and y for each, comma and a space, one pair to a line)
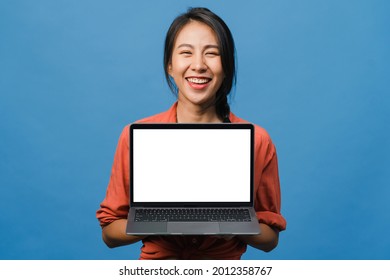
191, 163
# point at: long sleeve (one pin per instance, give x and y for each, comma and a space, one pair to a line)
267, 185
116, 202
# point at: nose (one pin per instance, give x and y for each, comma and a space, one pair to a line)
198, 64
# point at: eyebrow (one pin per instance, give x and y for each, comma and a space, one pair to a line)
191, 46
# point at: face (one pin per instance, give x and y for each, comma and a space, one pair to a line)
196, 65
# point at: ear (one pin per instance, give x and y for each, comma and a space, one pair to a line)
169, 69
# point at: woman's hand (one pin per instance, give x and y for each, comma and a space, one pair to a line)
266, 241
114, 234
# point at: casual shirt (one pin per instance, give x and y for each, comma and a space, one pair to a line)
266, 193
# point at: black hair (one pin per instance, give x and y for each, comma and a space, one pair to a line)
227, 52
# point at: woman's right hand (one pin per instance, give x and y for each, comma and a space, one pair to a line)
114, 234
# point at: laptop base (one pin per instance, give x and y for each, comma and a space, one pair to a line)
191, 228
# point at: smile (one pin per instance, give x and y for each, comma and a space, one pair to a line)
199, 81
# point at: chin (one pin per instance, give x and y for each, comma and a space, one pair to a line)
195, 99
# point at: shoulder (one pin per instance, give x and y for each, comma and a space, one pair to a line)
168, 116
163, 117
260, 133
265, 149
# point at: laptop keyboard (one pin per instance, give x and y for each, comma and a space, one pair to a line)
192, 215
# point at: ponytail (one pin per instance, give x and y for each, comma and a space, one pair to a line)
223, 109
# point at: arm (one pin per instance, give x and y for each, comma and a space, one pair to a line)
266, 241
114, 208
267, 196
114, 234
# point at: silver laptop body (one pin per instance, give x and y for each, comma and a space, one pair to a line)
191, 170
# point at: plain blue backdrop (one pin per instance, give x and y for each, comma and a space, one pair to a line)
314, 74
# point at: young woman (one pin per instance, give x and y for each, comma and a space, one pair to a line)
199, 64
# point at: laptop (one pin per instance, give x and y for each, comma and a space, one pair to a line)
191, 179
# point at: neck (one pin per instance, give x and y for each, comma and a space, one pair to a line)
187, 113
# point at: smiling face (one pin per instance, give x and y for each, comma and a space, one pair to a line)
196, 65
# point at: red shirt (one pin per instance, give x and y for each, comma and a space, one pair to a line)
267, 200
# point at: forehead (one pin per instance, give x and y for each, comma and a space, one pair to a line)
196, 33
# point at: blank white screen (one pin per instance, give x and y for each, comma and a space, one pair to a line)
191, 165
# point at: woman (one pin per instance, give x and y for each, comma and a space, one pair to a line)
199, 65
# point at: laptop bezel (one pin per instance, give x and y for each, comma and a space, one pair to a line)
246, 126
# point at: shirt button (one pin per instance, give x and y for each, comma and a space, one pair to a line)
194, 240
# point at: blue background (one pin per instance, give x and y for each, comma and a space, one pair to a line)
314, 74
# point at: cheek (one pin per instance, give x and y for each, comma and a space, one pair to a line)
216, 67
178, 66
219, 74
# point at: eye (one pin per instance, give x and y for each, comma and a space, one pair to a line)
185, 52
212, 54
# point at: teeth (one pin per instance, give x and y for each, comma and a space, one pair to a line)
198, 81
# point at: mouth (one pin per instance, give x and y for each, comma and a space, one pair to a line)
198, 82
